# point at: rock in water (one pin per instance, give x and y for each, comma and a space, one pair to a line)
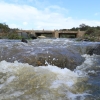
24, 40
94, 50
41, 37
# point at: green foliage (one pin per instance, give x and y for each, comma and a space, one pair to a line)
74, 29
84, 27
4, 28
8, 32
13, 36
91, 33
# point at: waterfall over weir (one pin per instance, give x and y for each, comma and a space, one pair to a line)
49, 69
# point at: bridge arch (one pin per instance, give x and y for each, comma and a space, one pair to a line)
47, 34
67, 35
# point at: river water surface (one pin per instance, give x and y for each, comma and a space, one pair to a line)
24, 80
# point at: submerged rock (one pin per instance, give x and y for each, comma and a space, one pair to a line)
37, 56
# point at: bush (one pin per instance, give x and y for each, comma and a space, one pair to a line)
13, 36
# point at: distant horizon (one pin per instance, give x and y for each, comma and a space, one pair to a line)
49, 14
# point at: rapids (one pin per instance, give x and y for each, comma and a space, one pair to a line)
22, 80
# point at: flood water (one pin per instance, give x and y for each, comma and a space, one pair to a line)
21, 78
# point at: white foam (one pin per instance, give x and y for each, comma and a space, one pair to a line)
62, 80
89, 65
72, 96
64, 76
17, 93
10, 79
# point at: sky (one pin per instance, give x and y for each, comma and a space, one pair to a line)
49, 14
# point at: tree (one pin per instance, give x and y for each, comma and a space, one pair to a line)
74, 29
83, 27
4, 28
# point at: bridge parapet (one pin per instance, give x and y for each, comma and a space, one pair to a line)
44, 31
67, 31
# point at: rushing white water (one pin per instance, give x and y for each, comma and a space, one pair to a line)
19, 81
90, 65
24, 81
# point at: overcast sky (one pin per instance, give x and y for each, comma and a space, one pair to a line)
49, 14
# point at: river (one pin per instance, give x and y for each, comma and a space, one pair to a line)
48, 69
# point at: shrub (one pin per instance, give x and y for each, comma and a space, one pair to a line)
13, 36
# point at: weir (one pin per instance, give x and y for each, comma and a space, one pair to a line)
54, 33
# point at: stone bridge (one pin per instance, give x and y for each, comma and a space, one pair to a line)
53, 33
